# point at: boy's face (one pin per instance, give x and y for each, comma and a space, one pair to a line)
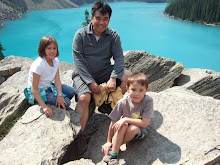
136, 92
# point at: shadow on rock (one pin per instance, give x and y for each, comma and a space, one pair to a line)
154, 146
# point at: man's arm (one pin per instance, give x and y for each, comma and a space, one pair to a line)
79, 60
118, 57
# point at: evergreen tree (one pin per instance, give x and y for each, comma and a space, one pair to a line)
86, 18
205, 11
1, 54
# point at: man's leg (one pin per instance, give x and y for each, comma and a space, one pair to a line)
85, 103
82, 108
124, 80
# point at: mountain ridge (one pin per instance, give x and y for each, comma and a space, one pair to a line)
11, 9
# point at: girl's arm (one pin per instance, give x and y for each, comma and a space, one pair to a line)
108, 144
143, 123
60, 99
35, 81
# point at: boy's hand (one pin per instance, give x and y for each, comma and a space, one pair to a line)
106, 147
119, 124
61, 101
48, 112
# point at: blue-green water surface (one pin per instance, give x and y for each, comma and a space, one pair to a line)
141, 26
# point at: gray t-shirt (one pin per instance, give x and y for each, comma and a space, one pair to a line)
125, 108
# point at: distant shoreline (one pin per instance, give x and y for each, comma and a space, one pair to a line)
204, 23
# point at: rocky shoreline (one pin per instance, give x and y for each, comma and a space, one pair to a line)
185, 129
7, 13
204, 23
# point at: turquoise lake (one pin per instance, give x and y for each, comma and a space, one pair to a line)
141, 26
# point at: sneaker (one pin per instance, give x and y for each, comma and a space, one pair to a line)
106, 158
113, 162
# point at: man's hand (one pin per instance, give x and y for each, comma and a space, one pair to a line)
95, 88
111, 85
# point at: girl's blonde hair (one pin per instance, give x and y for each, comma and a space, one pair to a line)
44, 42
139, 78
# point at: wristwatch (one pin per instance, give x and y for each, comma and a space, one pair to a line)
60, 94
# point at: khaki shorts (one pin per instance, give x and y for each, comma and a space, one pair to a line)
81, 88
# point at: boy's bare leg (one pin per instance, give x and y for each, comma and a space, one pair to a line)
82, 108
124, 79
118, 138
130, 133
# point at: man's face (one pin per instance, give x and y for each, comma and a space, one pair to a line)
100, 23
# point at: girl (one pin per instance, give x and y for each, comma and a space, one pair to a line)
42, 73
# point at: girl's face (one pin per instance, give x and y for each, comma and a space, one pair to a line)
136, 92
51, 51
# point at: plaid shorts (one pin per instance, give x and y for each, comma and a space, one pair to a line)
141, 134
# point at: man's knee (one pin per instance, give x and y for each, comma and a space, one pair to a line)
84, 99
124, 80
125, 75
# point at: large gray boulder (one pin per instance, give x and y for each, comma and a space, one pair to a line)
161, 71
36, 139
185, 131
24, 62
12, 99
202, 81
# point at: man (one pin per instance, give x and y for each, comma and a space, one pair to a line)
93, 47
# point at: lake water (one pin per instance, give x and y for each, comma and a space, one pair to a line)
141, 26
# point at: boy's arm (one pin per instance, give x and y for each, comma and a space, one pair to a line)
108, 144
110, 131
143, 123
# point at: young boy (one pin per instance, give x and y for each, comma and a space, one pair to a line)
129, 118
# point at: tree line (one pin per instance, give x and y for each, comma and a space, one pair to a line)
80, 2
203, 11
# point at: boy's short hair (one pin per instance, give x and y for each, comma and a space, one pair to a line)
102, 7
139, 78
44, 42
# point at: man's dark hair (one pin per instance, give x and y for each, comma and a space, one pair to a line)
102, 7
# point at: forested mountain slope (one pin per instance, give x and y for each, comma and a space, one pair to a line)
80, 2
10, 9
42, 4
202, 11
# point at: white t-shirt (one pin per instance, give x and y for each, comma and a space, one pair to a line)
46, 72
